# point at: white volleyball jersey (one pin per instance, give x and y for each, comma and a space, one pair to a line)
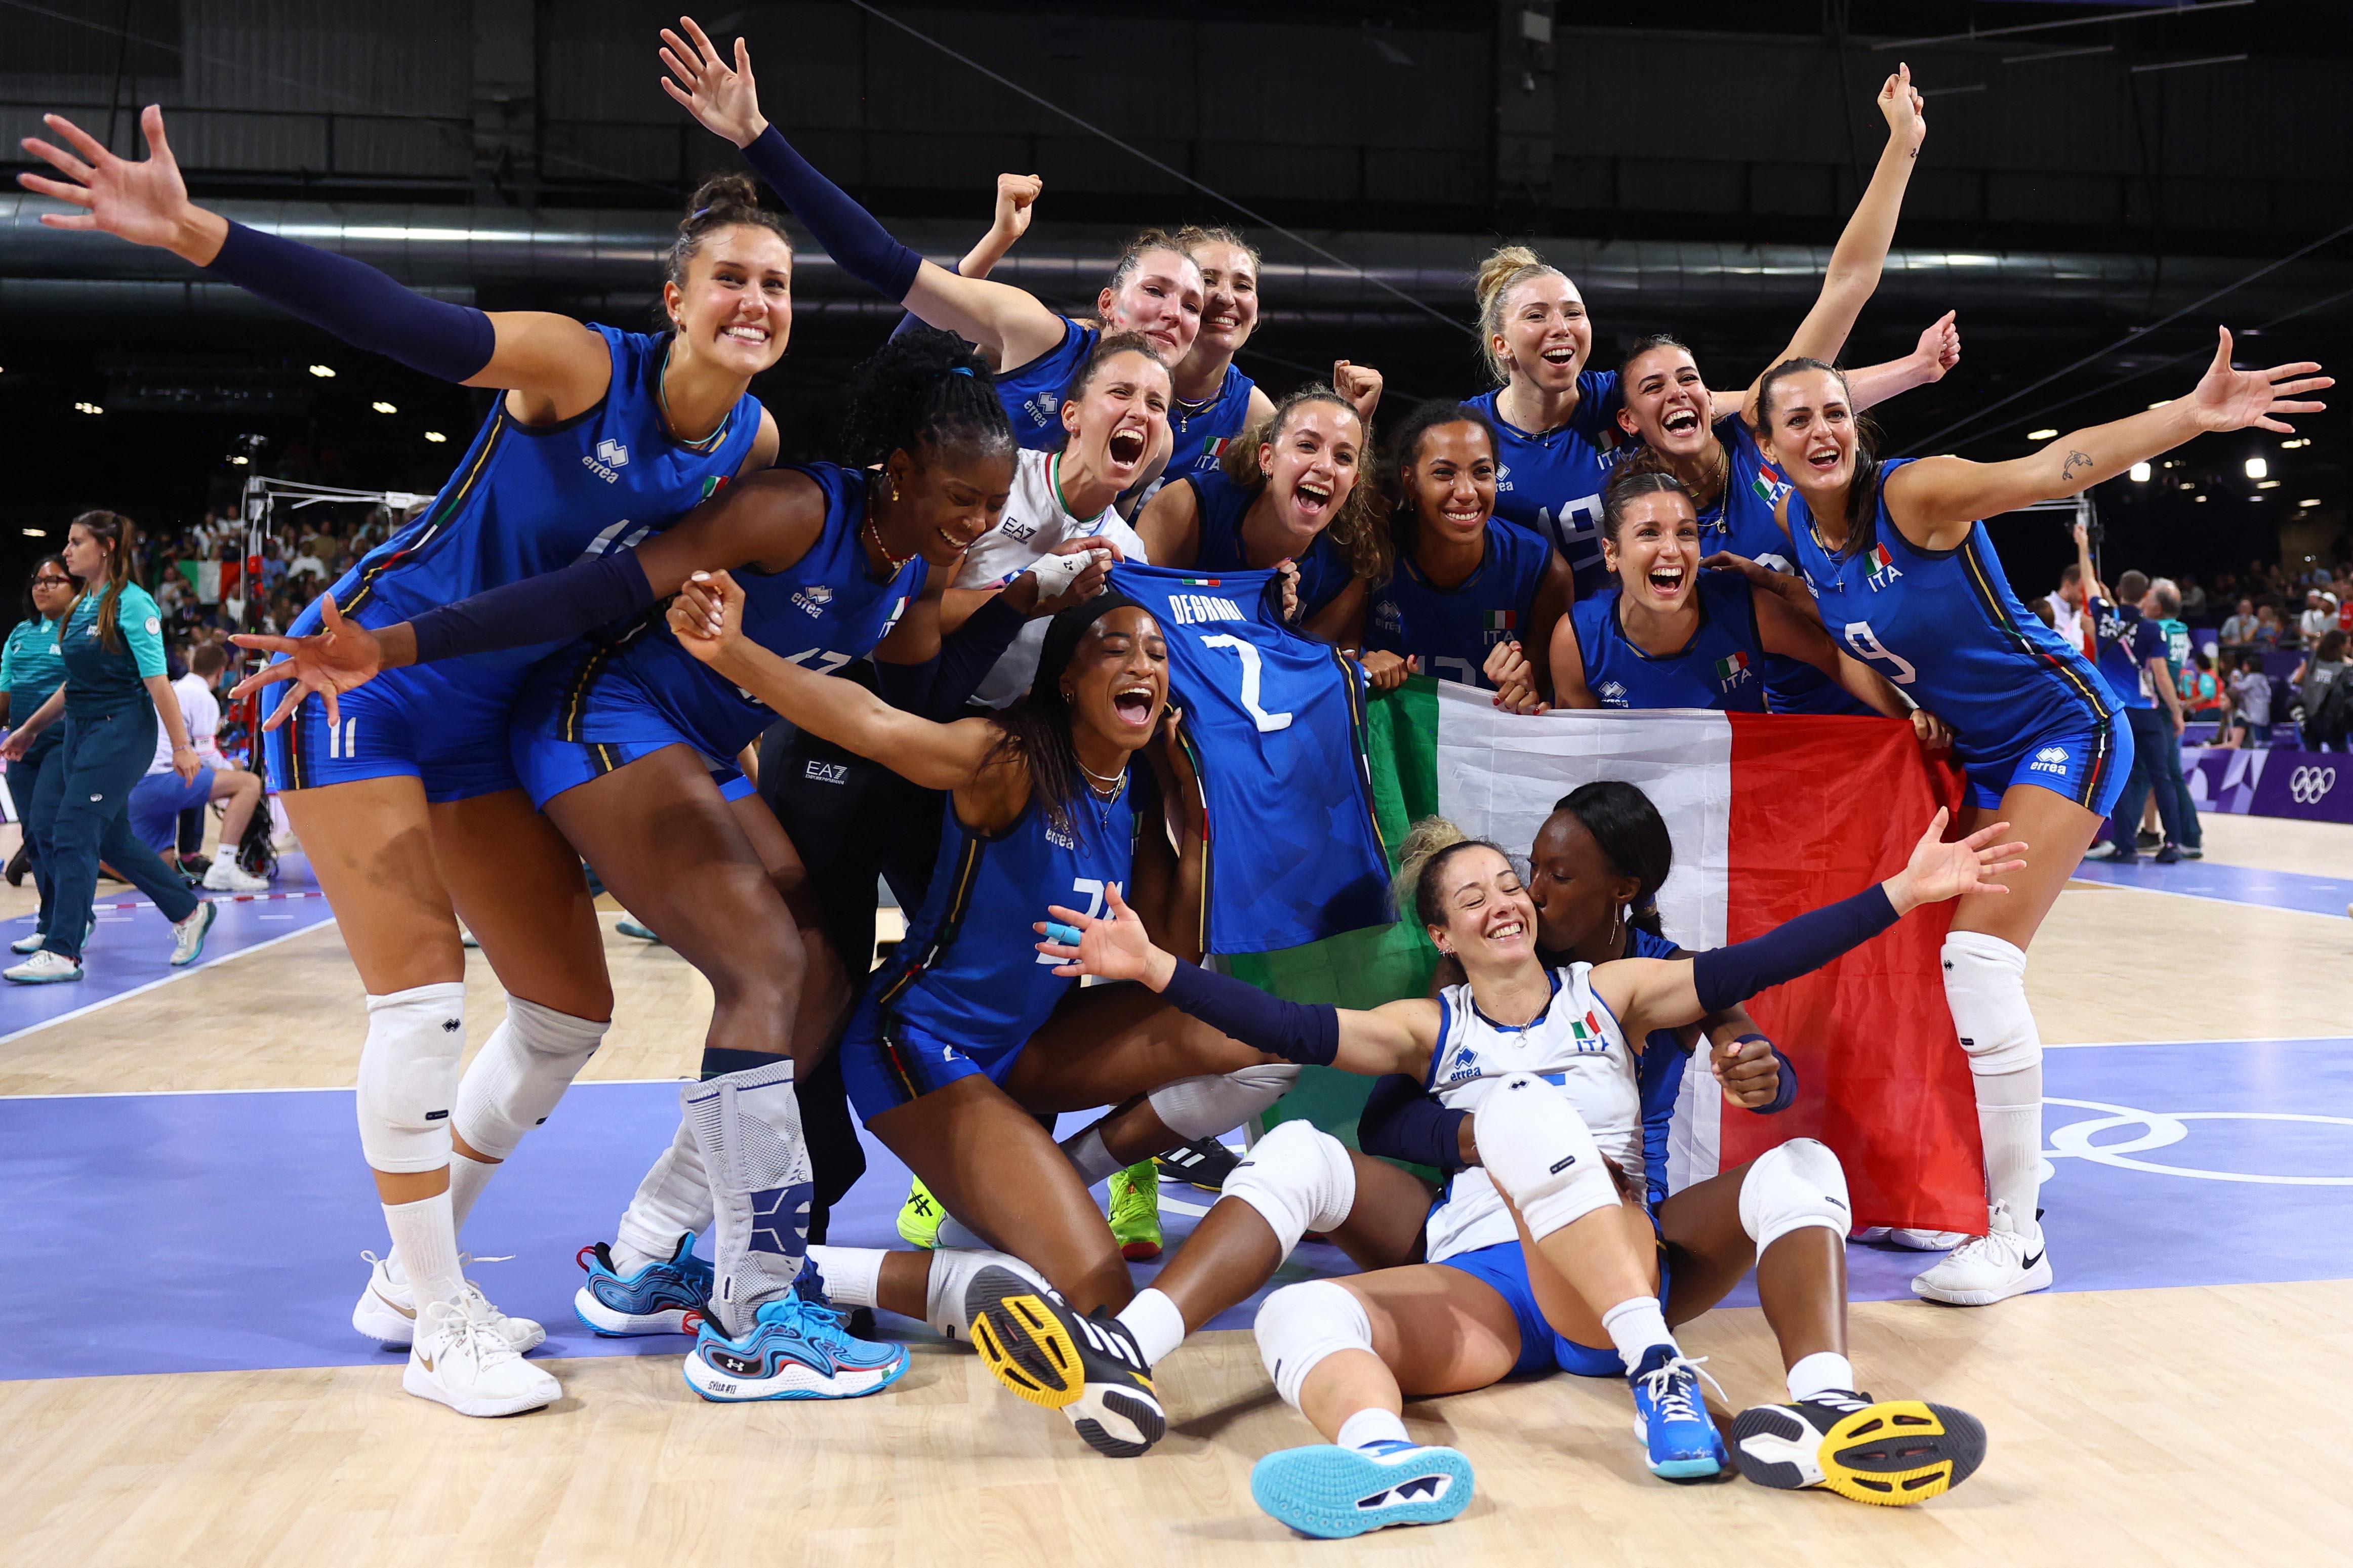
1576, 1044
1032, 524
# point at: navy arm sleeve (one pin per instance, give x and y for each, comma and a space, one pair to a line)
939, 688
554, 606
1726, 975
850, 234
357, 303
1402, 1122
1295, 1031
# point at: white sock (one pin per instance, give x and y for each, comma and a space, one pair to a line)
2009, 1123
952, 1270
1636, 1326
628, 1260
954, 1235
428, 1245
673, 1198
1366, 1427
1157, 1325
466, 1180
852, 1274
1086, 1150
1820, 1372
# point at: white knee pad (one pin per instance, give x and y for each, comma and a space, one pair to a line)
1299, 1178
1217, 1103
1985, 985
408, 1076
1541, 1154
523, 1069
1788, 1188
1299, 1325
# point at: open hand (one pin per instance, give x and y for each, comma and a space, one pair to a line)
145, 203
1113, 945
340, 655
2229, 399
1939, 870
724, 98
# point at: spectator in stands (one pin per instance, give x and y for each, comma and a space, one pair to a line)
2319, 617
2132, 661
158, 799
2201, 694
2044, 612
2067, 605
2251, 703
2193, 597
2239, 630
2268, 629
2320, 670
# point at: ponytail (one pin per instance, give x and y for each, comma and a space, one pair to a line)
119, 534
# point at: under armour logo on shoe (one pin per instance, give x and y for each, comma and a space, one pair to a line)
780, 1218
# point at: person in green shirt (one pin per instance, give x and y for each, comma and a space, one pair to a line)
111, 645
31, 670
2163, 604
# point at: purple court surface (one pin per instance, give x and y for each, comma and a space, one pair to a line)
2229, 884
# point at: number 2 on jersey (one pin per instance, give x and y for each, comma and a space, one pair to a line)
1253, 674
1092, 887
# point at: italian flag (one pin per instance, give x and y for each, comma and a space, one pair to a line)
1730, 665
1501, 620
1771, 816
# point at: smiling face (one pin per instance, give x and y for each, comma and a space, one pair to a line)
735, 306
947, 499
1809, 428
1545, 337
53, 590
86, 554
1655, 550
1120, 416
1161, 297
1229, 296
1117, 681
1450, 480
1666, 402
1485, 916
1311, 462
1576, 891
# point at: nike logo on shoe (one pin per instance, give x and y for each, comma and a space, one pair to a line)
408, 1312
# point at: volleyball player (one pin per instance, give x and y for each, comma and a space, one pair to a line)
1557, 416
406, 798
1895, 555
1464, 583
32, 668
1537, 1255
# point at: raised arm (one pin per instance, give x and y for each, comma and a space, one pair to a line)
1936, 499
1010, 325
1016, 201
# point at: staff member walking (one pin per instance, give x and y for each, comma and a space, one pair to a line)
31, 670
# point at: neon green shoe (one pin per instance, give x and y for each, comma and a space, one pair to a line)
919, 1216
1135, 1211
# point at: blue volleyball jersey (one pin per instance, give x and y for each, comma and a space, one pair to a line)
1658, 1076
1032, 393
822, 611
1551, 484
1946, 628
1324, 571
969, 975
1719, 668
1451, 629
1274, 723
529, 499
2127, 640
1198, 435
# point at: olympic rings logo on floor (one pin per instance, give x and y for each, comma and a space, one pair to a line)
2162, 1130
2308, 787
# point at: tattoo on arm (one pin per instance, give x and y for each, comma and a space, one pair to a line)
2074, 460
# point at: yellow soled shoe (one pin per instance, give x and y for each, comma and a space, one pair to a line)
1090, 1368
1889, 1451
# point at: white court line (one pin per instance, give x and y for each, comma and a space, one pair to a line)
278, 1089
141, 990
2248, 1040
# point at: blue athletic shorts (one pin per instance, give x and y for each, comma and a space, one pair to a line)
1543, 1348
885, 1062
618, 724
548, 766
443, 724
2086, 765
156, 801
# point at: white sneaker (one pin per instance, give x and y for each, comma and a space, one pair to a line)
387, 1312
44, 968
2004, 1262
461, 1360
225, 877
31, 944
1926, 1240
188, 935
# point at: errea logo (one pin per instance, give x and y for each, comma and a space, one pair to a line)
1612, 692
813, 599
2049, 760
610, 458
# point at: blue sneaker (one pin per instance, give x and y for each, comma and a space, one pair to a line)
1329, 1491
660, 1299
796, 1350
1671, 1417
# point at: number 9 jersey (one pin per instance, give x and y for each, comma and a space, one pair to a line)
2025, 708
1274, 724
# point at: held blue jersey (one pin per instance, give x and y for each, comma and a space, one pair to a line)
1274, 723
1324, 571
1451, 629
822, 611
969, 975
1716, 668
1946, 628
1032, 393
529, 499
1741, 522
1551, 484
2127, 641
1199, 433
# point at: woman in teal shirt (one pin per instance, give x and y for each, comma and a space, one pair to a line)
113, 646
31, 670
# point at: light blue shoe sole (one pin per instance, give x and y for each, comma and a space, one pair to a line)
716, 1396
209, 919
1333, 1492
46, 979
1694, 1470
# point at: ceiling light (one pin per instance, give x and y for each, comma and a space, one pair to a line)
434, 437
236, 462
37, 534
2202, 500
2291, 444
2042, 435
2140, 473
2309, 500
323, 372
88, 407
2257, 468
2268, 484
382, 407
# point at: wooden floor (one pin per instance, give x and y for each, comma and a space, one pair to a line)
2171, 1426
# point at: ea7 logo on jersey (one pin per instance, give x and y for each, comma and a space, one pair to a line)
813, 599
828, 772
2049, 760
1018, 528
610, 458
